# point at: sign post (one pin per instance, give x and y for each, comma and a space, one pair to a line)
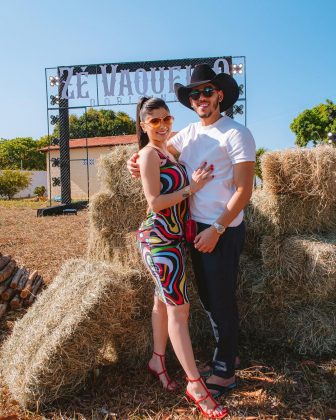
117, 84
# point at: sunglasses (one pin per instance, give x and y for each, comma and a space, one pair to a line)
156, 122
207, 93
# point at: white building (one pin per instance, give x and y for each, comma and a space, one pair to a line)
84, 156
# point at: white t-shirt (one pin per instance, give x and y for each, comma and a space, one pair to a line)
223, 144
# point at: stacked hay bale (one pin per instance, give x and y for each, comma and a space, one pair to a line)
115, 214
99, 310
83, 315
95, 311
296, 209
292, 233
117, 209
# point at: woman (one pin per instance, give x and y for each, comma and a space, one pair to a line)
160, 238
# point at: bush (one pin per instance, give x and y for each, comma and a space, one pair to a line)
40, 191
12, 182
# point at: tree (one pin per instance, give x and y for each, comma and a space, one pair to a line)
313, 125
40, 191
43, 142
21, 153
99, 123
257, 170
259, 154
12, 182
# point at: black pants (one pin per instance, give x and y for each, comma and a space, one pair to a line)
216, 279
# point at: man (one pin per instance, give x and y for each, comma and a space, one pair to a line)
217, 208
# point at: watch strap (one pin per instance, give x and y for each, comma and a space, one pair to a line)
219, 228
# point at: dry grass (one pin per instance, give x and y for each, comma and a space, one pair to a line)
42, 243
303, 266
269, 214
273, 383
305, 173
306, 330
31, 203
114, 175
109, 222
66, 333
313, 327
271, 387
289, 313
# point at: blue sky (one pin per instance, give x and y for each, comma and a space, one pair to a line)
289, 47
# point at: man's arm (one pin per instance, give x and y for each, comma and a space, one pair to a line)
243, 174
133, 165
171, 149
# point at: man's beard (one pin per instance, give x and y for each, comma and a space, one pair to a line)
211, 111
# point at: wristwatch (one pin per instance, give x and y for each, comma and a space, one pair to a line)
187, 192
219, 228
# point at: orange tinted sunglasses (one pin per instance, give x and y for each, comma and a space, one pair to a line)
156, 122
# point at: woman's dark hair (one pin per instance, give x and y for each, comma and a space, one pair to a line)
146, 106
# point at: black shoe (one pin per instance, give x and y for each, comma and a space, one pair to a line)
221, 389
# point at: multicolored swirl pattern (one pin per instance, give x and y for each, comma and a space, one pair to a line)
161, 237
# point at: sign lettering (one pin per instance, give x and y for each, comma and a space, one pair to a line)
119, 84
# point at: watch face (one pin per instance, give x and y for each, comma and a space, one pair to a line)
220, 229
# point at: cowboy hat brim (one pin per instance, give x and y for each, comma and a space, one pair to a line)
223, 81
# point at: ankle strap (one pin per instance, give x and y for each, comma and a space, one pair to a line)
161, 356
157, 354
199, 379
208, 393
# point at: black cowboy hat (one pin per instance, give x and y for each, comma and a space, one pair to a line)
203, 73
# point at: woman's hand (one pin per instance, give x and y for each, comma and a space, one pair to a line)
201, 176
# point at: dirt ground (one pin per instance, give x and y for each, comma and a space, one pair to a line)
42, 243
272, 384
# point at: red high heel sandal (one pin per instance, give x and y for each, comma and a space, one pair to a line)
211, 412
171, 385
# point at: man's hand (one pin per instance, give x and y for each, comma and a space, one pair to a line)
206, 240
133, 166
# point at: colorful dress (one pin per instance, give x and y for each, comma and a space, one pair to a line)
161, 237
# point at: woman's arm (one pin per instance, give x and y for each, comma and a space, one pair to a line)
149, 162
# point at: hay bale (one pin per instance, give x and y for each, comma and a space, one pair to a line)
274, 215
250, 281
254, 310
253, 236
306, 173
312, 330
305, 330
111, 218
303, 266
249, 275
88, 308
128, 255
116, 211
276, 314
114, 175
